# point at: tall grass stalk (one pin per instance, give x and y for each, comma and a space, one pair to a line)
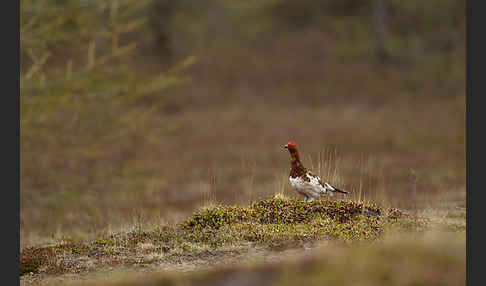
327, 166
209, 192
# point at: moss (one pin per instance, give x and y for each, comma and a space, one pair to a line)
279, 211
216, 217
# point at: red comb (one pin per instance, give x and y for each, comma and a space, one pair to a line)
291, 143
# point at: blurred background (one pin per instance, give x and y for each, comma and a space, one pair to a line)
138, 111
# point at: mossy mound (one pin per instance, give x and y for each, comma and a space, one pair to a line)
274, 223
282, 223
281, 211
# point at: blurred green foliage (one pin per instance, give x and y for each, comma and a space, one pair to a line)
79, 54
307, 47
435, 25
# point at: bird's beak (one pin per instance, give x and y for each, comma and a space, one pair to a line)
286, 146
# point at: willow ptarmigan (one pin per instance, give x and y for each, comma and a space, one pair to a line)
303, 181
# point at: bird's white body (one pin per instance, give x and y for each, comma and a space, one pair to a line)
312, 188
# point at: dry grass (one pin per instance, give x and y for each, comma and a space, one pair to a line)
431, 258
241, 158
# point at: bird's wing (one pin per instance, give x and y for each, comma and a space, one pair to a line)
326, 186
315, 181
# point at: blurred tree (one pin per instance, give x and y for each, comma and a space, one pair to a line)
159, 19
81, 88
380, 29
72, 50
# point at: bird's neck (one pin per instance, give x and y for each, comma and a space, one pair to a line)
295, 160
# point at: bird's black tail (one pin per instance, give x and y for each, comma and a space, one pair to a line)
340, 191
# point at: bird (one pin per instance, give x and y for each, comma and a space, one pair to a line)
304, 181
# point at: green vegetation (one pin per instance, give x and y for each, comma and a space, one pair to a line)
276, 224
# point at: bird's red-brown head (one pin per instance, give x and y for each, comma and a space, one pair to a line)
291, 146
294, 154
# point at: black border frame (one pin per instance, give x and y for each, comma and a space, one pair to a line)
471, 65
11, 123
